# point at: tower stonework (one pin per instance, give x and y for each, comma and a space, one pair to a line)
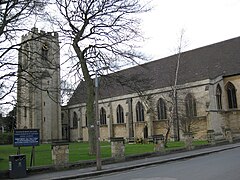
38, 96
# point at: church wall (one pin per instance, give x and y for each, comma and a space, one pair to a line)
216, 118
219, 120
85, 134
64, 122
139, 126
207, 116
64, 116
235, 80
199, 129
75, 132
233, 115
74, 135
160, 127
234, 123
114, 107
104, 129
83, 129
119, 130
104, 133
200, 92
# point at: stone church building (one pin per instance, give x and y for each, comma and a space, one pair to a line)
135, 102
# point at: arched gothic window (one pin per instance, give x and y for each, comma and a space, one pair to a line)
190, 104
231, 93
120, 114
161, 109
103, 117
75, 120
219, 97
139, 112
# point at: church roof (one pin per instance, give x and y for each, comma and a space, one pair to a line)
207, 62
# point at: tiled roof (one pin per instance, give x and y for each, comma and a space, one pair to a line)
207, 62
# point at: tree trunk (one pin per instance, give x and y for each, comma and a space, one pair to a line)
166, 137
91, 118
90, 100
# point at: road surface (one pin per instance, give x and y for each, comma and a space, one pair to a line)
223, 165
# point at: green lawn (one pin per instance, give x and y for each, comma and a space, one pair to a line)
77, 152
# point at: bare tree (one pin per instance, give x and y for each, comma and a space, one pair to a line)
13, 21
101, 34
67, 91
171, 99
173, 110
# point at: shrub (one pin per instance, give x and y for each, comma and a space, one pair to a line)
6, 138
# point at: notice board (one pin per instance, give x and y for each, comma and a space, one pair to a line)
26, 137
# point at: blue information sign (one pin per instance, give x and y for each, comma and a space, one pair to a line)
26, 137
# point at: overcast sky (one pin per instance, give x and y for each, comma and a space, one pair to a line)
204, 21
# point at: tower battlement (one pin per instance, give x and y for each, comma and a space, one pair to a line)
35, 32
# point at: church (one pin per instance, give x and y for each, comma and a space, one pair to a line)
136, 102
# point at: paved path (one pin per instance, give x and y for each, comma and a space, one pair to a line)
123, 166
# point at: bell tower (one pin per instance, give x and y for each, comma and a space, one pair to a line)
38, 92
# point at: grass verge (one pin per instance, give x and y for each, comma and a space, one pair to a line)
78, 152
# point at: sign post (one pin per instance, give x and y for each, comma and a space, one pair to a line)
26, 137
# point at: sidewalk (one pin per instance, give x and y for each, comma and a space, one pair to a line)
123, 166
